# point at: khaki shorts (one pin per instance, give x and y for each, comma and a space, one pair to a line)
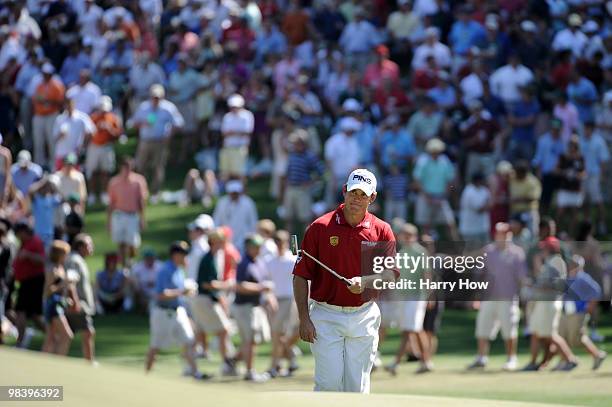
233, 160
573, 327
99, 158
412, 314
427, 213
252, 323
125, 228
544, 320
494, 315
298, 203
285, 321
170, 328
209, 315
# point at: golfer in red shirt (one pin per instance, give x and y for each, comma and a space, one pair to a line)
341, 322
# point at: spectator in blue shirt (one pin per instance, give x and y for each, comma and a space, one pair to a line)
579, 301
522, 117
269, 41
169, 321
45, 199
583, 94
395, 186
73, 64
111, 285
550, 147
301, 165
24, 172
444, 93
596, 155
465, 33
395, 146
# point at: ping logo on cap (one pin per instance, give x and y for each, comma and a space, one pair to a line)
361, 178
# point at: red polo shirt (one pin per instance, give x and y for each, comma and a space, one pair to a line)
25, 269
337, 244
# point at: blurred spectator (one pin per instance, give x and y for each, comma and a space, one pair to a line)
596, 156
71, 181
29, 271
571, 170
396, 188
128, 193
44, 200
59, 296
571, 38
143, 277
47, 101
507, 80
236, 210
111, 286
71, 130
100, 155
480, 135
394, 144
499, 186
85, 94
425, 123
434, 174
237, 129
341, 156
432, 47
301, 165
474, 216
549, 148
522, 117
157, 120
78, 274
582, 93
24, 172
525, 193
567, 112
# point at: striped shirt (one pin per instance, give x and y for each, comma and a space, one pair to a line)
396, 186
300, 167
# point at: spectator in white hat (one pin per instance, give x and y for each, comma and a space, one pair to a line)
341, 156
100, 158
236, 129
434, 175
47, 101
198, 235
432, 46
24, 172
157, 120
236, 210
85, 93
571, 38
70, 131
595, 42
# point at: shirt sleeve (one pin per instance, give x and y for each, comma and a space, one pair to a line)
305, 266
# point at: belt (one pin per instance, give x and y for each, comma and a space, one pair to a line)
339, 308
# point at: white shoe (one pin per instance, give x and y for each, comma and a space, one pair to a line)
255, 377
510, 365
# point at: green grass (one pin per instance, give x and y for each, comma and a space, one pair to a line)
122, 341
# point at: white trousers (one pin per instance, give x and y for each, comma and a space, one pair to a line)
345, 348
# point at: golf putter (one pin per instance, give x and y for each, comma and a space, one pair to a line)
297, 251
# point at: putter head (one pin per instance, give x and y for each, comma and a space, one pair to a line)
294, 245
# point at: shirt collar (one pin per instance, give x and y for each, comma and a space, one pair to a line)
339, 218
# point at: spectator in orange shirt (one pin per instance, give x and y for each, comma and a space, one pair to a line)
100, 158
48, 100
295, 24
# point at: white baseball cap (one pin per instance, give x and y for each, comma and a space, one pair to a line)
362, 179
235, 100
157, 91
24, 158
350, 124
204, 222
234, 186
48, 69
106, 103
351, 105
435, 145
